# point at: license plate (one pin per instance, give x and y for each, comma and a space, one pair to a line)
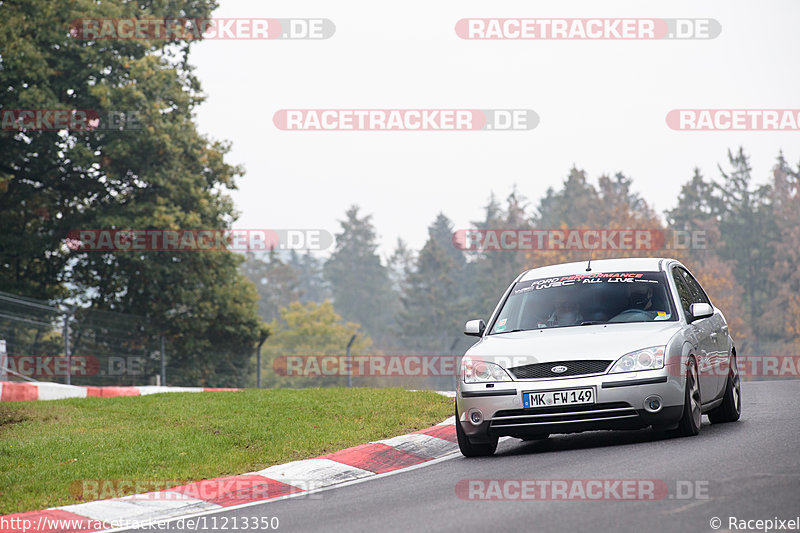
554, 398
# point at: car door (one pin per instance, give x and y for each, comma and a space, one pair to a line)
699, 334
718, 346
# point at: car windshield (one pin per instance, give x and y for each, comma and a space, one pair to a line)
585, 299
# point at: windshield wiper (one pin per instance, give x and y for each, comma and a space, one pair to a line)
592, 323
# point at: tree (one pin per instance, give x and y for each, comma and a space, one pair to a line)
697, 213
490, 271
359, 282
433, 299
696, 204
308, 330
783, 314
441, 231
311, 281
610, 206
579, 204
400, 265
576, 204
160, 175
277, 283
619, 203
740, 234
747, 228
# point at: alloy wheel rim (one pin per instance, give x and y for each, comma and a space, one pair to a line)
737, 396
694, 394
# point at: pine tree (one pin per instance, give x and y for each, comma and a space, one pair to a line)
747, 228
696, 204
433, 303
311, 282
359, 282
400, 265
576, 205
490, 271
277, 283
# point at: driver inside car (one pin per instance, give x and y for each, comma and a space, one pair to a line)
566, 313
641, 298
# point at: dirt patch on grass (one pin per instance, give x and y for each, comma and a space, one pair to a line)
15, 414
12, 415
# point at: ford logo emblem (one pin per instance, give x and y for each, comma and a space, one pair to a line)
558, 369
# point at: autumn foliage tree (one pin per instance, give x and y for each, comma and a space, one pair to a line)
308, 330
784, 310
611, 205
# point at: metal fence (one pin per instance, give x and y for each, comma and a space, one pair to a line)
45, 341
52, 342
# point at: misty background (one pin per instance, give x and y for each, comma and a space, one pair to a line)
209, 156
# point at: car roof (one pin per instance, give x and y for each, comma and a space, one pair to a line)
633, 264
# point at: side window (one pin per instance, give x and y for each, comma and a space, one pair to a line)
684, 293
698, 294
689, 290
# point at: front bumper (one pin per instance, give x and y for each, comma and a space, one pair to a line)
619, 404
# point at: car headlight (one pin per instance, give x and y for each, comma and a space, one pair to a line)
477, 371
646, 359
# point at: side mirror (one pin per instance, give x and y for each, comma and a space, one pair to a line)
701, 310
474, 328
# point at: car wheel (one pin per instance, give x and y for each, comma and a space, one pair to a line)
692, 417
536, 437
731, 407
469, 449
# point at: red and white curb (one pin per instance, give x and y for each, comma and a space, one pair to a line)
295, 478
22, 392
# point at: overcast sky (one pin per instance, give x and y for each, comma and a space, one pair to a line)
602, 106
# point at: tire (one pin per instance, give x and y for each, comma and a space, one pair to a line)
731, 407
692, 417
469, 449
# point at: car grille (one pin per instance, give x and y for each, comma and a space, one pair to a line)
574, 368
563, 414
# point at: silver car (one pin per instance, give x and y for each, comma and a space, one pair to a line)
606, 344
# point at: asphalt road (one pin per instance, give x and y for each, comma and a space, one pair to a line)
749, 469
